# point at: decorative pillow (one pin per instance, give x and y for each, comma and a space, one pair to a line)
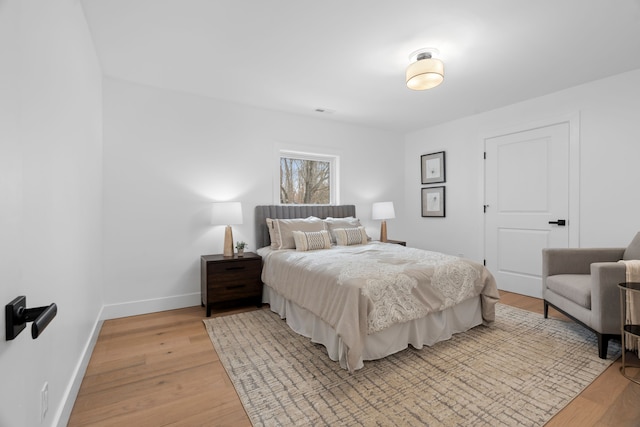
347, 222
274, 236
311, 240
350, 236
633, 250
281, 230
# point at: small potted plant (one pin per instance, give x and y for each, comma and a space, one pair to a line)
240, 247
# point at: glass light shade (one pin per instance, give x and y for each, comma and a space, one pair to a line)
425, 74
383, 210
226, 213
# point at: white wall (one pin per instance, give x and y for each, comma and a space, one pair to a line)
168, 155
50, 199
609, 111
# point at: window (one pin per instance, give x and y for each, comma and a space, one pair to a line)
307, 179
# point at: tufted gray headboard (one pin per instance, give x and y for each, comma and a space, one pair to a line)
294, 211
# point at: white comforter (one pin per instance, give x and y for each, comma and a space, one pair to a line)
364, 289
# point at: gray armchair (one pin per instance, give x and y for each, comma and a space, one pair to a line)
582, 283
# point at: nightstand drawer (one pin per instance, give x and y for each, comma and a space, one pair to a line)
227, 291
234, 270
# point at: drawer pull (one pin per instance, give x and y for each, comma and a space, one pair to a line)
235, 268
235, 287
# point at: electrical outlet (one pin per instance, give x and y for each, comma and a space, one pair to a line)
44, 400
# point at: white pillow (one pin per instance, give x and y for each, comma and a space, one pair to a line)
346, 222
311, 240
350, 236
281, 230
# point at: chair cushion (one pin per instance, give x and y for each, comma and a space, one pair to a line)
574, 287
633, 250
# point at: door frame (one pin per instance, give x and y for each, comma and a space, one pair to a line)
573, 119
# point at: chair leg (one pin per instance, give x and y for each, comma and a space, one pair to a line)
603, 339
603, 344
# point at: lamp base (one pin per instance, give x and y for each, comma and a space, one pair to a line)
383, 231
228, 242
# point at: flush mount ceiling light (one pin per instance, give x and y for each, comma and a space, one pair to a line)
425, 71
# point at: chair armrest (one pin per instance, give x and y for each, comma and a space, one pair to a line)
576, 260
605, 295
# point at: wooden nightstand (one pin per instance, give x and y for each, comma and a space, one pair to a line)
230, 279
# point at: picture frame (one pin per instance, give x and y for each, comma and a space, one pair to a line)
432, 167
433, 202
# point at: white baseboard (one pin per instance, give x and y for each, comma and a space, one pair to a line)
113, 311
133, 308
63, 414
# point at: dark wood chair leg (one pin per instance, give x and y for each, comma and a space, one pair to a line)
603, 344
546, 309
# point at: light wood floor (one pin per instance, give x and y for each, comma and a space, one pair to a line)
161, 369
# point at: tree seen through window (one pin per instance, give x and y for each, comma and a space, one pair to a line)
304, 181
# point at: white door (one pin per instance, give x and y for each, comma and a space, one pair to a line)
527, 201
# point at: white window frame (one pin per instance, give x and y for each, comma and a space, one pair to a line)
334, 167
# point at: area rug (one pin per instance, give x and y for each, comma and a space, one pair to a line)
520, 371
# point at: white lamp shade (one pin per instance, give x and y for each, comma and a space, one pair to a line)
383, 210
226, 213
425, 74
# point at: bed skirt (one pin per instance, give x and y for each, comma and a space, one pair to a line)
427, 331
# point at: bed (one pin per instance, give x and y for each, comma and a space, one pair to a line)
362, 299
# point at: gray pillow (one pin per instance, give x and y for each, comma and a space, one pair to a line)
633, 250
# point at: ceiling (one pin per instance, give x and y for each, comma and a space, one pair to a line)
349, 56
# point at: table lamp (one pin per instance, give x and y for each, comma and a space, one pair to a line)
383, 211
227, 213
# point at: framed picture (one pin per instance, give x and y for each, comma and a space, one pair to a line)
433, 202
432, 166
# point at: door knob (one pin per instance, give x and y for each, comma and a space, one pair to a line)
560, 222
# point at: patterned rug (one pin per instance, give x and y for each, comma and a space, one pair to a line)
518, 372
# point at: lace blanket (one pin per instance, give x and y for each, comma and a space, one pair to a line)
363, 289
